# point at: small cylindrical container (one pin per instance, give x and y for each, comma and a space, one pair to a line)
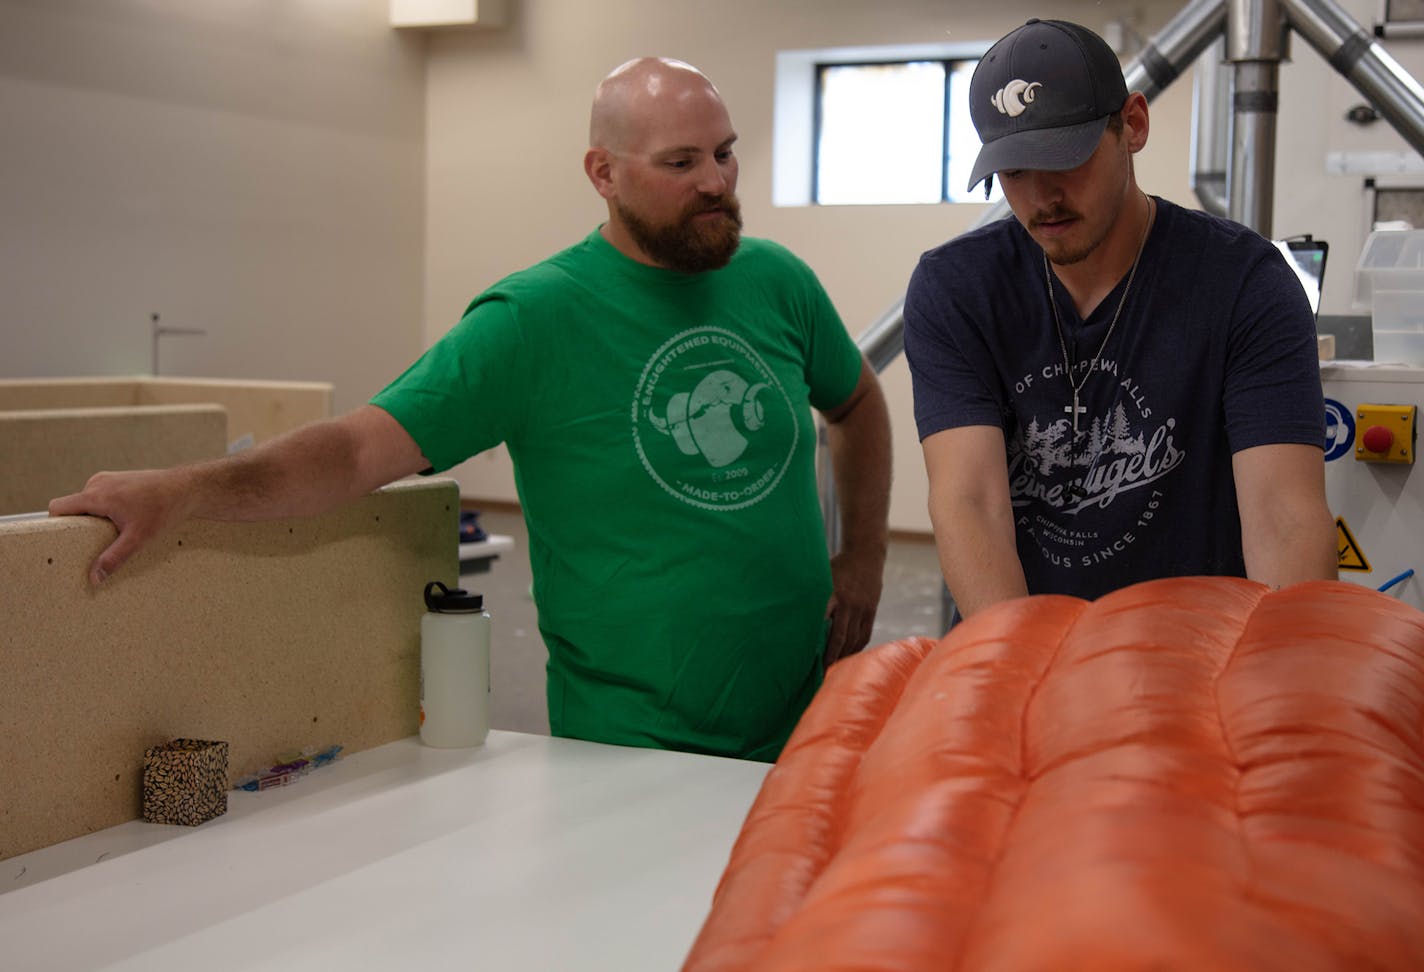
454, 668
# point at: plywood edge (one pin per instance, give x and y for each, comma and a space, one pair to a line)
227, 383
108, 411
71, 381
28, 393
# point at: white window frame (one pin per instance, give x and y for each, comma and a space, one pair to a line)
794, 111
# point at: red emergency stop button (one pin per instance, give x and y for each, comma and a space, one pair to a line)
1386, 433
1377, 438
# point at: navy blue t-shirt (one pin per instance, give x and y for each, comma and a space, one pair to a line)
1214, 352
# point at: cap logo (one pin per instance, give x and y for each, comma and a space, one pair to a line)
1013, 98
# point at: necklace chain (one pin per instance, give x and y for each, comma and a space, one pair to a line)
1077, 386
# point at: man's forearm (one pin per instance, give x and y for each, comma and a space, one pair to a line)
978, 556
1287, 529
858, 442
861, 455
973, 517
982, 582
302, 473
307, 471
1302, 549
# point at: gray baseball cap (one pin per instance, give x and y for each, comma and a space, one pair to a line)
1040, 98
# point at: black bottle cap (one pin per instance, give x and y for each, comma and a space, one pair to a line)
448, 601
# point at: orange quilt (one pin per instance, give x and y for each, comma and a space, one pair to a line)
1195, 773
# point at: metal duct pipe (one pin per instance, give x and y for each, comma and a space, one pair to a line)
1210, 129
1250, 182
1173, 48
1255, 44
881, 343
884, 341
1355, 56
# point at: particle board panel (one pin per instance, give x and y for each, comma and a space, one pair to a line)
50, 452
256, 408
28, 393
260, 409
271, 636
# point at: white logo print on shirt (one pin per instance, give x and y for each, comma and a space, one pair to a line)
712, 423
1013, 98
1120, 457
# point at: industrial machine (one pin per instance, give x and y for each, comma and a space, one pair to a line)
1373, 483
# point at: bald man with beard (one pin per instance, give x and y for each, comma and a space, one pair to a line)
654, 384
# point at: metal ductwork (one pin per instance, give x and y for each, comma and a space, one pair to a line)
1255, 47
1356, 57
1210, 129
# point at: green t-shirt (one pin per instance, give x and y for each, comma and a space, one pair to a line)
664, 454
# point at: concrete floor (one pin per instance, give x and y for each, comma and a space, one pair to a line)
910, 605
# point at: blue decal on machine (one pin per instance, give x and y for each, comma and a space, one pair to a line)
1339, 430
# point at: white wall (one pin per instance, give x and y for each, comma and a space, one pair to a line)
252, 169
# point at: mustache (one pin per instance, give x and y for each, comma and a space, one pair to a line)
1054, 216
725, 204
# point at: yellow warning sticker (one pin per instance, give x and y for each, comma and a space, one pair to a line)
1351, 556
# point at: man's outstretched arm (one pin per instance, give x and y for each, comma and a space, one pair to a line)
1287, 530
307, 471
973, 516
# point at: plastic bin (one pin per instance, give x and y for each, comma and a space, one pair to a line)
1398, 324
1389, 282
1391, 260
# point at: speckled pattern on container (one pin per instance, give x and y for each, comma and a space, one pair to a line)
185, 781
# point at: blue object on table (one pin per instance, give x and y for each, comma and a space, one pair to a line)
470, 529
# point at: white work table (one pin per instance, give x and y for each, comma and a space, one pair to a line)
528, 854
477, 555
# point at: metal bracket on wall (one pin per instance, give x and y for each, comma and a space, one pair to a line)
161, 331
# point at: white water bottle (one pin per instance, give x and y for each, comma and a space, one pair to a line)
454, 668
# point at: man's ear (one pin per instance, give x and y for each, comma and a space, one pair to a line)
1135, 121
598, 166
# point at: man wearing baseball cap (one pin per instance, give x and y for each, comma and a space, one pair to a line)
1109, 388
